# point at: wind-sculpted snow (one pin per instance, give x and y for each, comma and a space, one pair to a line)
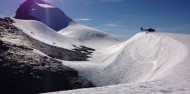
154, 63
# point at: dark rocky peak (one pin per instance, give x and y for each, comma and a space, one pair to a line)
23, 11
44, 12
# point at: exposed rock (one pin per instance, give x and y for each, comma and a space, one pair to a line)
23, 11
7, 20
84, 49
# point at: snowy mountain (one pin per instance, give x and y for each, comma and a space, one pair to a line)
56, 53
44, 12
37, 49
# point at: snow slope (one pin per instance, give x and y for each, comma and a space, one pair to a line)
72, 35
89, 36
43, 33
153, 63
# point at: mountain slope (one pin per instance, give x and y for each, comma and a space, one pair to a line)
45, 34
29, 66
75, 34
154, 63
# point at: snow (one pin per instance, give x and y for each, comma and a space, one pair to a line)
45, 5
153, 63
41, 32
89, 36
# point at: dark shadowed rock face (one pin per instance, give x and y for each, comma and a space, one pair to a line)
23, 11
51, 16
22, 71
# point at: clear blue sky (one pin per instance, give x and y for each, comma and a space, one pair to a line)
121, 17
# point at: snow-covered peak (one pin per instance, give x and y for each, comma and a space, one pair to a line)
42, 11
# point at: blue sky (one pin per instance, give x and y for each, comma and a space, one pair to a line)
121, 17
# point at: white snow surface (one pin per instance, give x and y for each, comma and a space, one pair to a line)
89, 36
153, 63
45, 5
40, 31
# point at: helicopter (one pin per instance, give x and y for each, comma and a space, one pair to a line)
149, 29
